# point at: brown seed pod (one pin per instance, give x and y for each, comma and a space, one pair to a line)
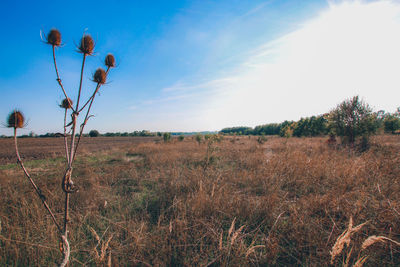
15, 119
100, 76
110, 61
54, 37
66, 103
87, 45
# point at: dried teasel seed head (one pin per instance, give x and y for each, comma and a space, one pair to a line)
110, 61
87, 45
54, 37
100, 76
66, 103
15, 119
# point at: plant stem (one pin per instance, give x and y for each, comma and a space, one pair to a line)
91, 99
80, 83
58, 78
38, 191
95, 91
65, 136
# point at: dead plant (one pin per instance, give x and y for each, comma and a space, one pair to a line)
72, 134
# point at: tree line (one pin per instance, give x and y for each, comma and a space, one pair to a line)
353, 117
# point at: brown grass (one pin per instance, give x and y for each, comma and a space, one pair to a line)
283, 202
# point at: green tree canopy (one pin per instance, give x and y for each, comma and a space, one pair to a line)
352, 118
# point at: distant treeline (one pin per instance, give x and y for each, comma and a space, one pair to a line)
314, 126
95, 133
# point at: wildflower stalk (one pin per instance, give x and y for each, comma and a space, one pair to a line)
58, 76
65, 136
91, 99
80, 83
37, 190
16, 120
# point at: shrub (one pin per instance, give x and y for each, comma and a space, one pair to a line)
198, 138
167, 137
94, 133
351, 119
391, 123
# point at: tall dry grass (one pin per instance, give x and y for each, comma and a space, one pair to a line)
283, 202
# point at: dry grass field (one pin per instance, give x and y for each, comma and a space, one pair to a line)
231, 203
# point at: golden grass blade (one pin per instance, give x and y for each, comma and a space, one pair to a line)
360, 261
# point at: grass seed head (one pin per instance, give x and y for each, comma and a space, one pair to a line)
15, 119
100, 76
110, 61
66, 103
87, 45
54, 37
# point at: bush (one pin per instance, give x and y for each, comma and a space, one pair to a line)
198, 138
261, 139
351, 119
391, 123
94, 133
167, 137
181, 137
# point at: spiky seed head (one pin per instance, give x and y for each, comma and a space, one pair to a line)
54, 37
87, 45
100, 76
110, 61
15, 119
66, 103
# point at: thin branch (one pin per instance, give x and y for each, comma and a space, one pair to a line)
27, 243
72, 145
66, 215
38, 191
59, 80
65, 136
91, 99
80, 83
75, 114
95, 91
66, 251
83, 126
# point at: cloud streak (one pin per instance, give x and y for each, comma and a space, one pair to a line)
351, 48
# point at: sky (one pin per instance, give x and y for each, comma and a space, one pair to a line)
199, 65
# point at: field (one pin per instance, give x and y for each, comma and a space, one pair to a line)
237, 202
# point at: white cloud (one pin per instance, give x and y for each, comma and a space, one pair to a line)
351, 48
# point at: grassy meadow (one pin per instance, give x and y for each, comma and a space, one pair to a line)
237, 202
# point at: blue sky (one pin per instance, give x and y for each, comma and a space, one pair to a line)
200, 65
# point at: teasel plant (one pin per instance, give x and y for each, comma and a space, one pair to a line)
72, 131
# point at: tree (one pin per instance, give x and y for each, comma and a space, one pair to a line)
167, 137
199, 138
351, 119
391, 123
94, 133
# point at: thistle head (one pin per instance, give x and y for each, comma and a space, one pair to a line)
15, 119
110, 61
54, 37
100, 76
66, 103
87, 45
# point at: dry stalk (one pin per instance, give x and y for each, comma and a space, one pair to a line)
375, 239
104, 247
16, 120
344, 239
360, 261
